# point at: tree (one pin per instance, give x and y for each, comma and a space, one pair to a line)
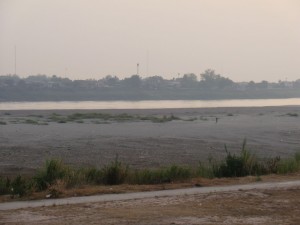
134, 81
154, 82
211, 80
251, 85
110, 80
264, 84
189, 80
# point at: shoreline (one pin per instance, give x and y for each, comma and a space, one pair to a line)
149, 104
242, 109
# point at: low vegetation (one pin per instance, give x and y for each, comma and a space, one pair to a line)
105, 117
95, 118
292, 114
247, 163
233, 165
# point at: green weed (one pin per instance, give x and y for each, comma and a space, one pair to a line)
53, 170
19, 186
115, 173
5, 187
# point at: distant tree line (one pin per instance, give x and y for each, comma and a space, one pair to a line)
209, 79
189, 86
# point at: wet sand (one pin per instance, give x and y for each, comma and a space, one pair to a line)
270, 131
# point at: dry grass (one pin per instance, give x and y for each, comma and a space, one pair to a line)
239, 207
87, 190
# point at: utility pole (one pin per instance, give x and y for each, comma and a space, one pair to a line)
147, 63
15, 60
137, 68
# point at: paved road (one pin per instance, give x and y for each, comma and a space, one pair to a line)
142, 195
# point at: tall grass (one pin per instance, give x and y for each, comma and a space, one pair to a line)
289, 165
233, 165
244, 164
162, 175
115, 173
53, 170
4, 186
247, 163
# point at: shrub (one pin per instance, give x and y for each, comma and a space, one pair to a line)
19, 186
238, 165
272, 165
4, 186
94, 176
53, 170
232, 167
115, 173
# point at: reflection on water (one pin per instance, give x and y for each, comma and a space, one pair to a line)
148, 104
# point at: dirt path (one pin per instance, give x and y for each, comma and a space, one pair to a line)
143, 195
259, 203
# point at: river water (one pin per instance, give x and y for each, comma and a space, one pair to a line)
162, 104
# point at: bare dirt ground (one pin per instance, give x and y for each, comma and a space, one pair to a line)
278, 205
270, 131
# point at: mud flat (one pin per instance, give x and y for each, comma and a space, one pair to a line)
29, 137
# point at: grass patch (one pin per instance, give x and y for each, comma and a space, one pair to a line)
162, 175
247, 163
5, 186
289, 165
115, 173
34, 122
36, 116
191, 119
292, 114
159, 119
30, 121
55, 175
203, 118
105, 118
52, 171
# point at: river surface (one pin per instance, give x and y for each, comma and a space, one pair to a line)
163, 104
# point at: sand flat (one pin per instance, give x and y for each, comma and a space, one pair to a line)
270, 131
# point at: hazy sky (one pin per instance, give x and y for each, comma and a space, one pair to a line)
241, 39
